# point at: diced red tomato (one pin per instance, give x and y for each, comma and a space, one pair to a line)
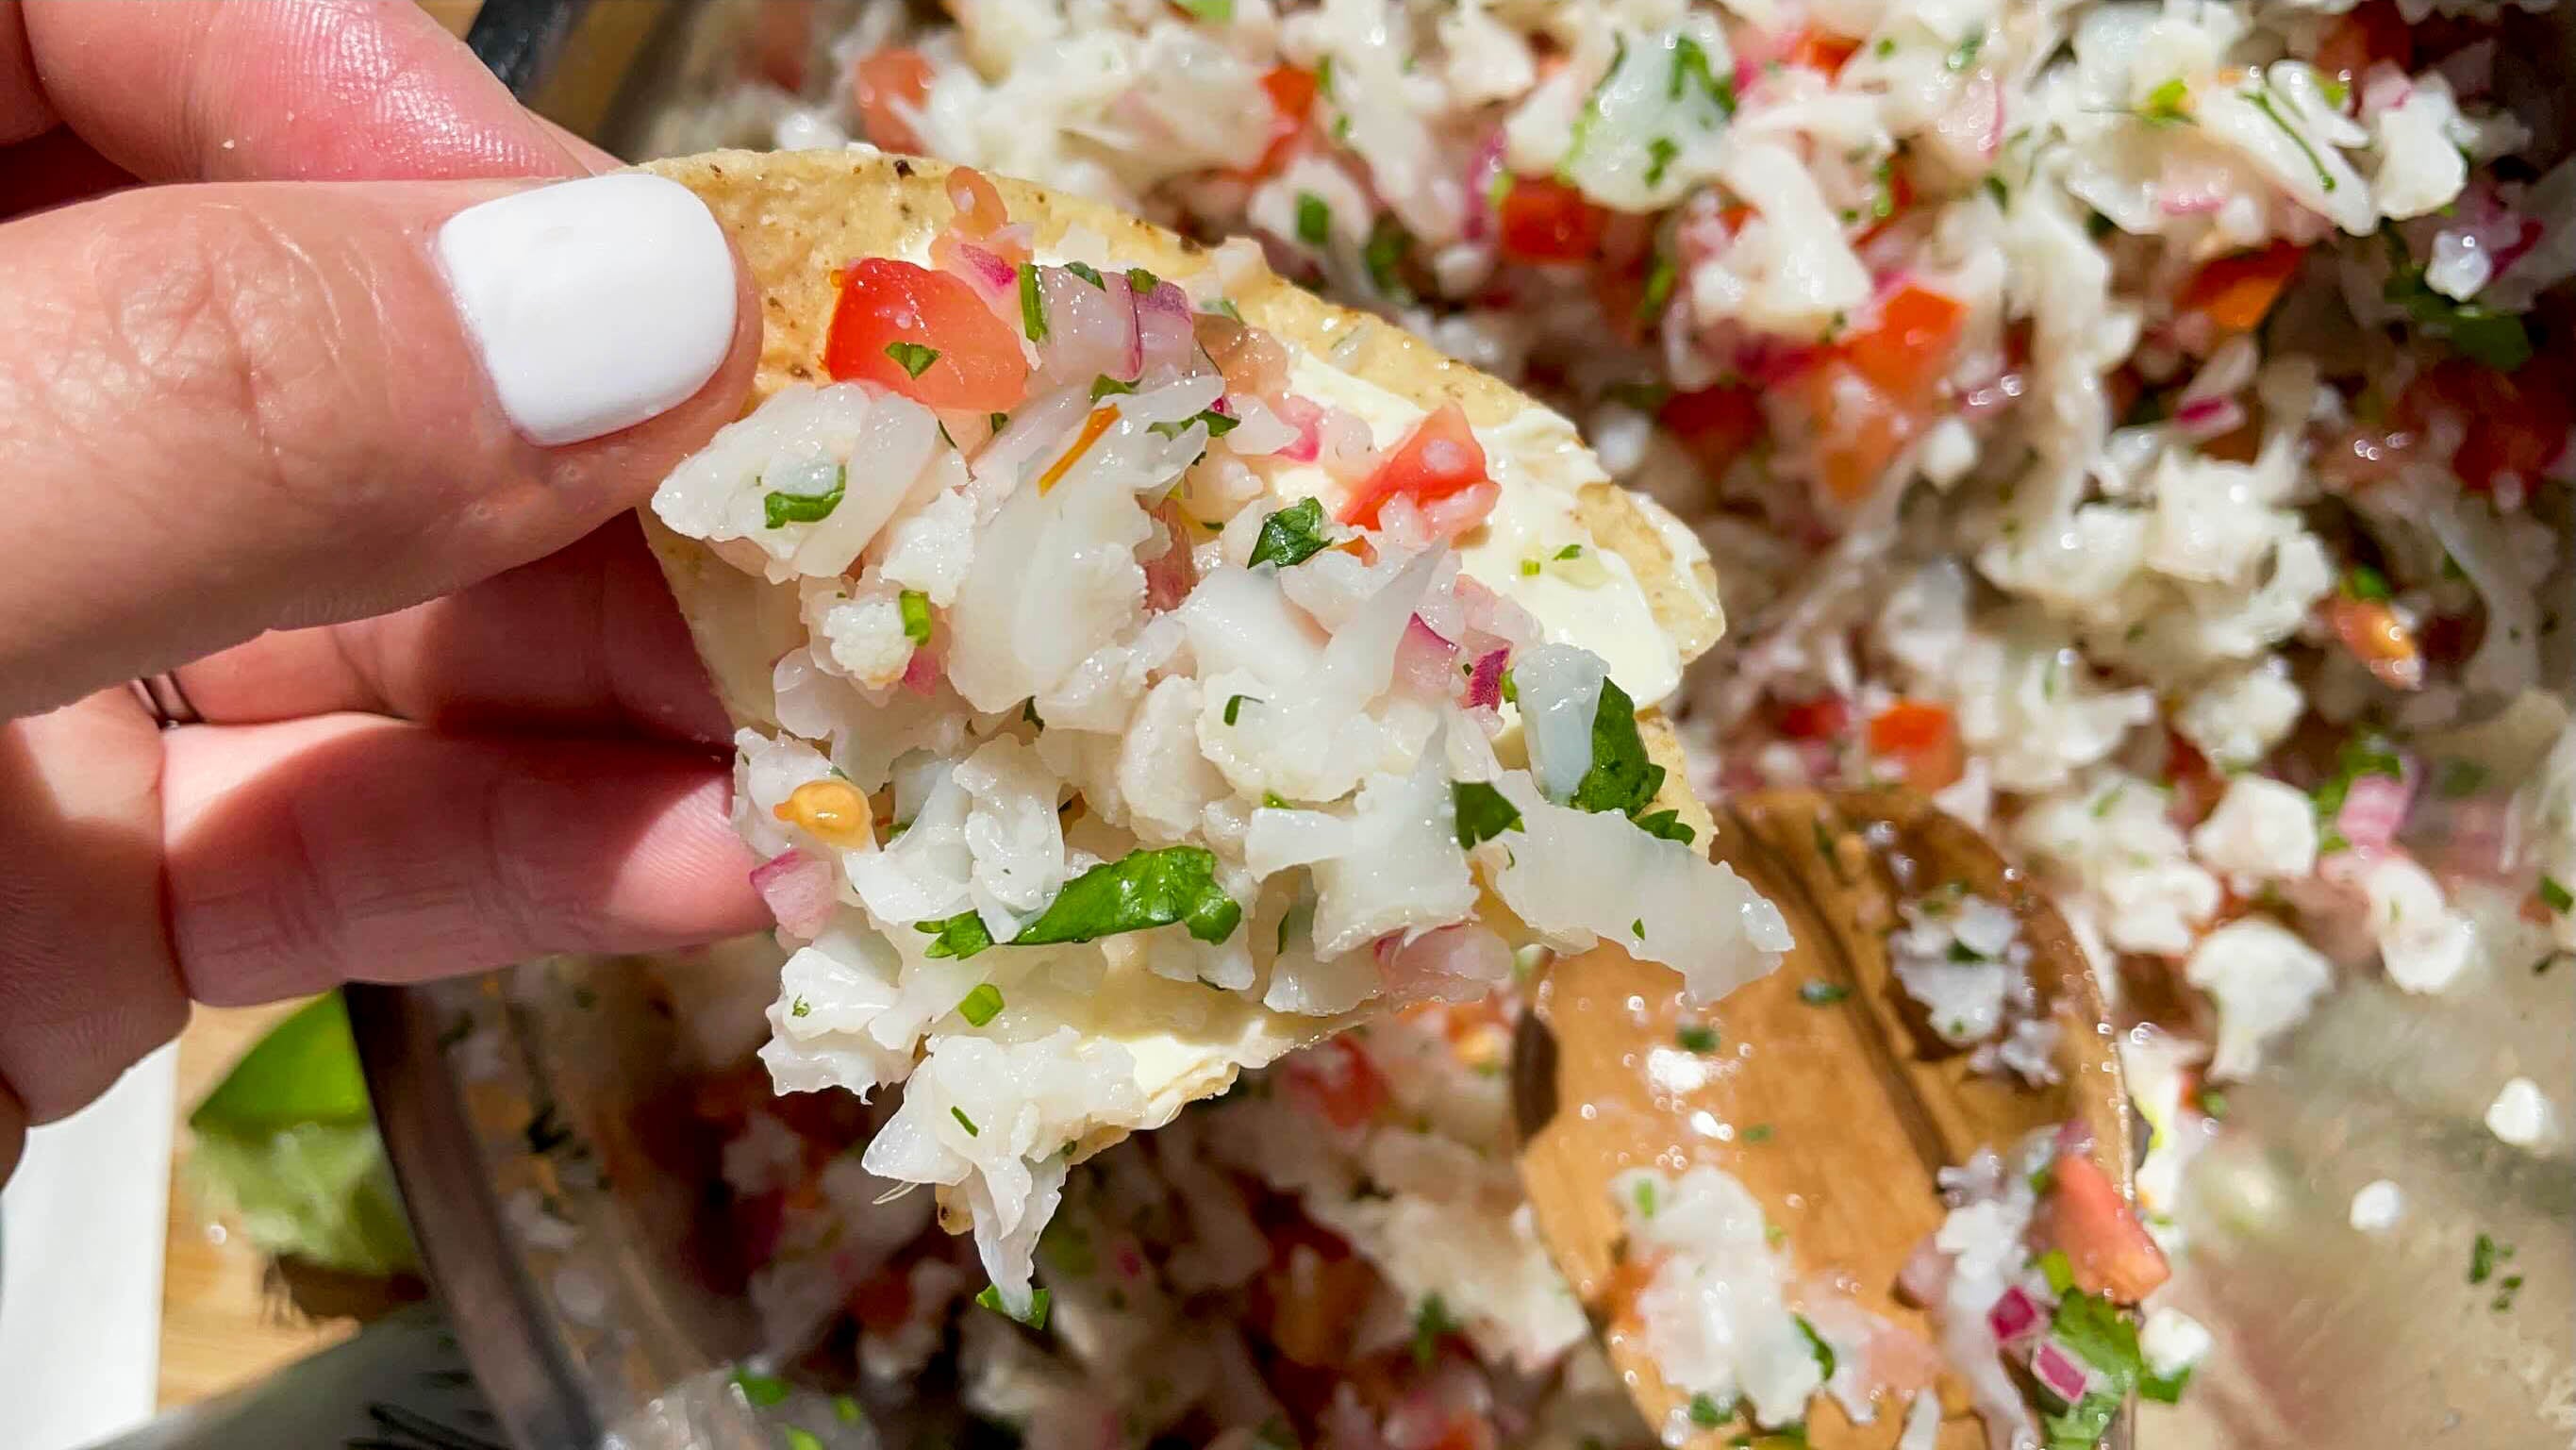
2369, 32
1292, 97
1438, 458
1545, 220
1921, 737
1906, 348
2517, 423
1715, 424
1338, 1081
2376, 636
980, 208
1822, 718
1859, 430
883, 81
2237, 292
1465, 1430
886, 303
2110, 1251
1817, 51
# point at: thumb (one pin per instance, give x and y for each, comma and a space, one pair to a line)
227, 409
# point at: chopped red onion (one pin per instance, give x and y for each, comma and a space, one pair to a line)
1485, 679
1925, 1278
1480, 220
798, 891
1307, 417
2202, 418
2013, 1316
921, 672
1424, 660
2373, 810
2060, 1372
1173, 571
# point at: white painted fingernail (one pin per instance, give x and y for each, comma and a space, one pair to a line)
596, 303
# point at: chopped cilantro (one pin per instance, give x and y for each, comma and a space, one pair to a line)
2363, 582
2460, 779
2498, 340
912, 357
1995, 187
1816, 1346
1142, 889
1142, 282
1530, 568
1659, 158
778, 510
1388, 245
1960, 951
2094, 1330
1821, 993
960, 936
1234, 707
2169, 104
2554, 895
1668, 826
762, 1390
1964, 54
800, 1008
1690, 66
1637, 928
846, 1410
1224, 307
1275, 801
1035, 1318
1707, 1413
2162, 1389
2261, 99
1291, 535
1620, 778
1217, 424
1431, 1324
1886, 47
1482, 812
2484, 1255
1758, 1133
981, 1005
1104, 386
2362, 755
1661, 277
1033, 317
915, 608
1696, 1037
1570, 551
1088, 273
1314, 220
965, 1122
997, 421
1645, 1196
2213, 1104
2059, 1270
798, 1438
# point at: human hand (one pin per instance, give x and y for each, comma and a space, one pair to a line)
361, 481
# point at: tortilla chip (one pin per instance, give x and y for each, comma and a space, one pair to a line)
799, 216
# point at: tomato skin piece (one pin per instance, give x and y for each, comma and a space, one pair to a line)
879, 81
885, 301
1923, 738
2516, 423
1545, 220
1825, 717
2236, 292
2110, 1251
1292, 97
1906, 349
1438, 458
1818, 51
1346, 1089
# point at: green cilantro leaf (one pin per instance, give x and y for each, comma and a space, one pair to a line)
1696, 1037
1142, 282
2554, 895
1965, 54
965, 1122
1667, 825
1822, 993
1431, 1324
1104, 386
1816, 1346
1140, 890
1314, 220
1291, 535
1088, 273
1218, 425
1483, 812
2498, 340
912, 357
1621, 778
2363, 582
1035, 1318
915, 607
762, 1390
960, 936
1388, 245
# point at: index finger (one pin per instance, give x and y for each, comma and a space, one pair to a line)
286, 90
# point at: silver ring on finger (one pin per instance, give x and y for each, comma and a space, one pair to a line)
165, 701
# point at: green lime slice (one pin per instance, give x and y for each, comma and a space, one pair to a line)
304, 1071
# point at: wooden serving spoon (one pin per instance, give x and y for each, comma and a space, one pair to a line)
1828, 1097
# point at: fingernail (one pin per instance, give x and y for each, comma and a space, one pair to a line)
596, 304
